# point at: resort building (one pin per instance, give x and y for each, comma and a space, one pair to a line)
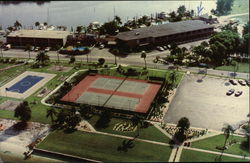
178, 32
41, 38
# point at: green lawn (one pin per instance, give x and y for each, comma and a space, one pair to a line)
243, 67
104, 148
195, 156
240, 6
212, 142
150, 133
3, 65
243, 19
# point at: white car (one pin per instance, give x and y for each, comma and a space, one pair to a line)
159, 48
101, 46
36, 49
47, 49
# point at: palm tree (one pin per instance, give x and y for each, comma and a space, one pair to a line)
1, 48
28, 48
23, 112
51, 113
137, 120
173, 77
17, 25
183, 125
144, 55
228, 130
57, 52
42, 57
37, 24
118, 21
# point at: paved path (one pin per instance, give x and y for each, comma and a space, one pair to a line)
217, 153
133, 60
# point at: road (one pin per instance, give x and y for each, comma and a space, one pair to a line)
134, 60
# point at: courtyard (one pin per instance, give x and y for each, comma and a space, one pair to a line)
203, 100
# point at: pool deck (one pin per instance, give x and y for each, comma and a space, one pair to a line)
31, 90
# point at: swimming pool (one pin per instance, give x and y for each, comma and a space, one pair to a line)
79, 48
24, 84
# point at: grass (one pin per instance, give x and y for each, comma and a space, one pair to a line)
240, 6
196, 156
212, 142
104, 148
243, 67
150, 133
243, 19
3, 65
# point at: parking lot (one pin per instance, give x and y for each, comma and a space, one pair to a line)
204, 102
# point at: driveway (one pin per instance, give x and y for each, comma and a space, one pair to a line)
206, 104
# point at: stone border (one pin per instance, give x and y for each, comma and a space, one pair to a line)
31, 90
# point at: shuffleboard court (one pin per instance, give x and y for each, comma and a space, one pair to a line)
114, 92
24, 84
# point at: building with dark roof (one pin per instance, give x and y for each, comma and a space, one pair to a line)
42, 38
208, 19
178, 32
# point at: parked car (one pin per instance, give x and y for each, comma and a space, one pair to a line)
248, 82
47, 49
32, 48
238, 93
159, 48
230, 92
232, 82
101, 46
165, 47
242, 82
7, 47
36, 49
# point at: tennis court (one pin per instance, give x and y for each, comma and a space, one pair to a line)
114, 92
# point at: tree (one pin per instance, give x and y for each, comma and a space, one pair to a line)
57, 52
1, 48
52, 113
183, 125
37, 24
28, 48
181, 10
246, 29
223, 7
118, 21
73, 121
109, 28
222, 44
42, 57
72, 59
173, 77
17, 25
104, 119
144, 56
78, 29
101, 61
23, 112
228, 130
230, 27
137, 121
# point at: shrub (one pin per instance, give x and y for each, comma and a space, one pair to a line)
13, 60
101, 61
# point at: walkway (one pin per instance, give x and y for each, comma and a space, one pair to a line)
217, 153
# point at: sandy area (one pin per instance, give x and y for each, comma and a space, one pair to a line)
15, 141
